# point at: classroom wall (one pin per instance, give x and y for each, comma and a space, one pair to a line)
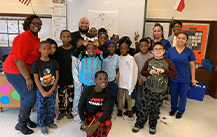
194, 10
41, 7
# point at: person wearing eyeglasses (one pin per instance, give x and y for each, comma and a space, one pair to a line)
177, 28
17, 68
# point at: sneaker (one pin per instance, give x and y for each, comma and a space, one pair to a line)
77, 118
178, 115
172, 113
60, 116
53, 126
125, 113
135, 129
44, 130
120, 113
69, 116
152, 131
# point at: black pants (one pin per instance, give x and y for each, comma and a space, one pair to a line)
63, 108
151, 103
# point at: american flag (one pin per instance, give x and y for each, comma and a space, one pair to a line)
25, 2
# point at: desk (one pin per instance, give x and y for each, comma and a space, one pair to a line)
8, 95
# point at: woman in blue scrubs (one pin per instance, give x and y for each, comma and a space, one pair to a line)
159, 36
183, 59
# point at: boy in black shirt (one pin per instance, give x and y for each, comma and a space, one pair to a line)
46, 75
94, 107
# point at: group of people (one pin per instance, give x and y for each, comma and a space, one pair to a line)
97, 73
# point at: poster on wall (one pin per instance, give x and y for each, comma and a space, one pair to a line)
12, 26
3, 26
3, 40
105, 19
59, 10
11, 39
21, 26
59, 22
198, 34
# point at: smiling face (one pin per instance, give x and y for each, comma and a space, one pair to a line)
101, 80
157, 32
45, 50
158, 51
124, 48
177, 29
111, 48
91, 50
35, 25
143, 46
115, 39
93, 31
102, 39
66, 38
53, 49
84, 25
181, 40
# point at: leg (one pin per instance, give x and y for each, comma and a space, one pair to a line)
138, 96
41, 109
61, 95
113, 87
129, 100
183, 97
77, 94
51, 108
70, 92
120, 101
174, 95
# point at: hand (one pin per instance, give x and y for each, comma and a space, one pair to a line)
91, 129
50, 92
45, 94
116, 78
29, 84
153, 72
85, 42
194, 82
136, 35
160, 71
140, 81
96, 42
84, 125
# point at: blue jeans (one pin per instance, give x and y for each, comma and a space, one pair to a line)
27, 98
138, 98
112, 86
178, 89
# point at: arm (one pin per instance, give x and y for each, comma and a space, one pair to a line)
81, 106
38, 83
144, 71
25, 73
171, 72
133, 75
136, 42
192, 66
78, 50
117, 75
105, 51
55, 83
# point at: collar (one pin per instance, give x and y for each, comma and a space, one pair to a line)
32, 35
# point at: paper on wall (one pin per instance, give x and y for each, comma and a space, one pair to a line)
3, 26
12, 26
11, 39
59, 22
3, 40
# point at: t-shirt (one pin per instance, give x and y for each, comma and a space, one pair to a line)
46, 71
65, 61
92, 102
181, 62
140, 61
158, 82
25, 48
109, 65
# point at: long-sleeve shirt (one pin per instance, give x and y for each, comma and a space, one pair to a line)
76, 65
128, 72
91, 102
158, 82
89, 65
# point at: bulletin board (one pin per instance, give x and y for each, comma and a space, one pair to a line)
198, 33
8, 95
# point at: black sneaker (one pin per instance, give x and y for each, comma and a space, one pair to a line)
135, 129
178, 115
152, 131
172, 113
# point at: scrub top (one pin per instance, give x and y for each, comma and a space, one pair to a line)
182, 63
165, 42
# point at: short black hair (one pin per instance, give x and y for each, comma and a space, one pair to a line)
65, 31
101, 33
100, 72
143, 40
51, 41
125, 39
176, 22
102, 30
186, 34
158, 25
28, 20
114, 36
150, 42
158, 43
43, 42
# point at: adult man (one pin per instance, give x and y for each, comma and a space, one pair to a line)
83, 31
177, 28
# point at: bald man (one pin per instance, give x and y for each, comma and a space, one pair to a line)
83, 31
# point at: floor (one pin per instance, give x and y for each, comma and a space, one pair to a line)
199, 120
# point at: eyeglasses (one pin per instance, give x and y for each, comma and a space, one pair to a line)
156, 49
35, 23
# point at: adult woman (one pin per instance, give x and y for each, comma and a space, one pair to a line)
183, 59
159, 36
177, 28
17, 69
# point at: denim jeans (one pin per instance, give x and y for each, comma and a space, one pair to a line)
27, 98
112, 86
138, 98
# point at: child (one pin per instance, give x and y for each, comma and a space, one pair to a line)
93, 31
64, 53
53, 53
111, 66
102, 39
115, 38
94, 107
90, 63
46, 75
140, 59
157, 70
128, 76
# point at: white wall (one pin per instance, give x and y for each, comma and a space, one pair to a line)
130, 13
